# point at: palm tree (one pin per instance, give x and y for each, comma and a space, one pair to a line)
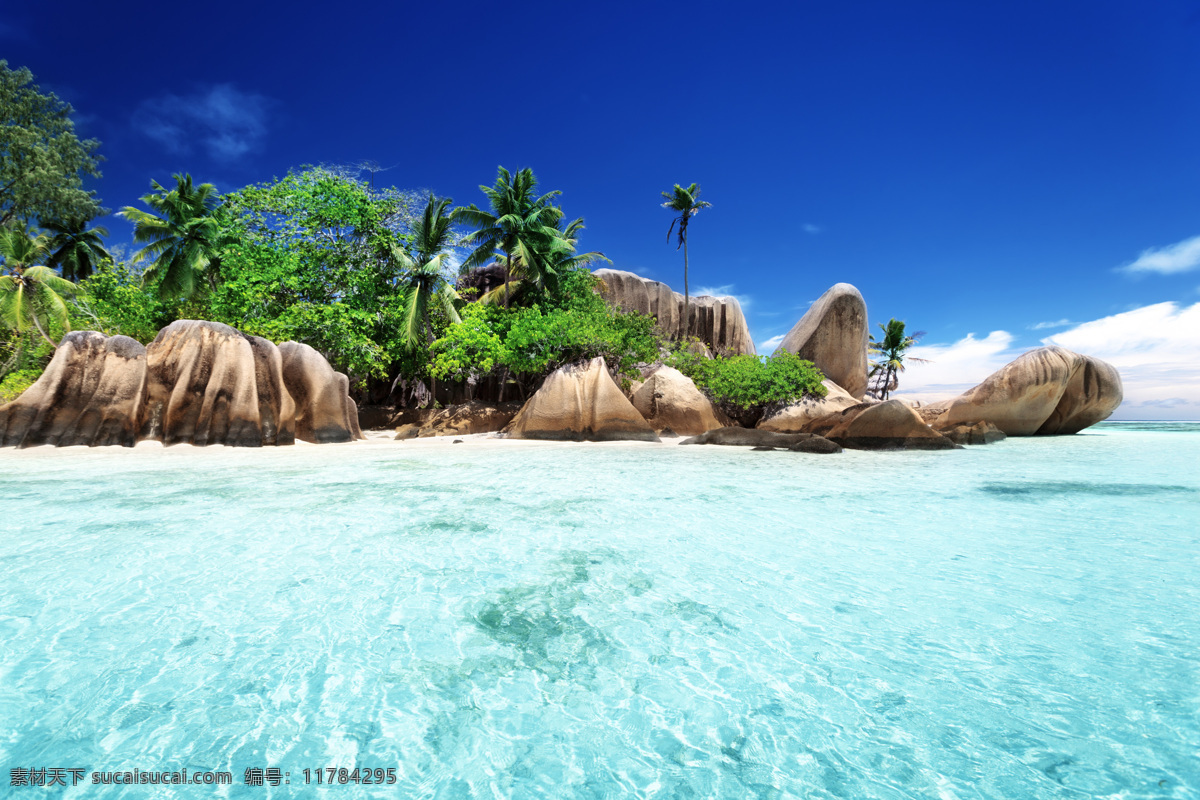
31, 294
423, 281
520, 225
560, 259
686, 202
75, 249
183, 236
891, 350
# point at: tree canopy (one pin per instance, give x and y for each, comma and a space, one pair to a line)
42, 161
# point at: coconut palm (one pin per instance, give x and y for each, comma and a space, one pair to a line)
521, 228
891, 351
423, 281
687, 203
560, 259
76, 249
183, 236
31, 294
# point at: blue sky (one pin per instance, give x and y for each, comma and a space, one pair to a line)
994, 174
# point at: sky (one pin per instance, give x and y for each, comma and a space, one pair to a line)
998, 175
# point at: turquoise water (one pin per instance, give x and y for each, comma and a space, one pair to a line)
1014, 621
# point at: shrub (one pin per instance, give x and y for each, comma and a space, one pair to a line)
745, 387
16, 382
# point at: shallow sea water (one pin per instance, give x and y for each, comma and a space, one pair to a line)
1020, 620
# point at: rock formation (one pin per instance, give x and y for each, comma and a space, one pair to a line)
890, 425
458, 420
979, 433
324, 410
833, 335
197, 382
716, 321
208, 383
768, 440
796, 417
669, 400
1050, 390
580, 402
92, 393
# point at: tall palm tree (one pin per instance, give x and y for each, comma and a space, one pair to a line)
183, 235
422, 280
521, 225
76, 249
31, 294
891, 351
687, 203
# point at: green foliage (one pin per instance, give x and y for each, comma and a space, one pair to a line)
890, 356
76, 249
747, 386
312, 257
115, 302
16, 382
472, 347
183, 236
31, 294
42, 161
574, 325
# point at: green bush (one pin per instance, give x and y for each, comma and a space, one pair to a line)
16, 382
573, 325
745, 387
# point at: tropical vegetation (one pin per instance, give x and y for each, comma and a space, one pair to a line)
401, 290
687, 204
890, 353
748, 387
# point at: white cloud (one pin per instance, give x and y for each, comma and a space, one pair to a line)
1157, 352
1179, 257
811, 228
954, 368
1041, 326
768, 347
226, 122
725, 290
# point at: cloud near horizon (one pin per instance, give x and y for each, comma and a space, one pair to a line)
1156, 350
1179, 257
222, 120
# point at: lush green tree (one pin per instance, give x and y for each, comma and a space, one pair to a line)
31, 294
891, 354
687, 204
42, 161
423, 279
312, 257
116, 301
76, 249
574, 324
520, 230
746, 387
183, 236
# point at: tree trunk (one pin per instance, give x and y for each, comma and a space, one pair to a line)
507, 262
36, 324
687, 319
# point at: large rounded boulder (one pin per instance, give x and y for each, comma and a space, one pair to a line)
716, 321
1050, 390
833, 335
324, 411
669, 400
890, 425
92, 393
580, 402
208, 383
796, 417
